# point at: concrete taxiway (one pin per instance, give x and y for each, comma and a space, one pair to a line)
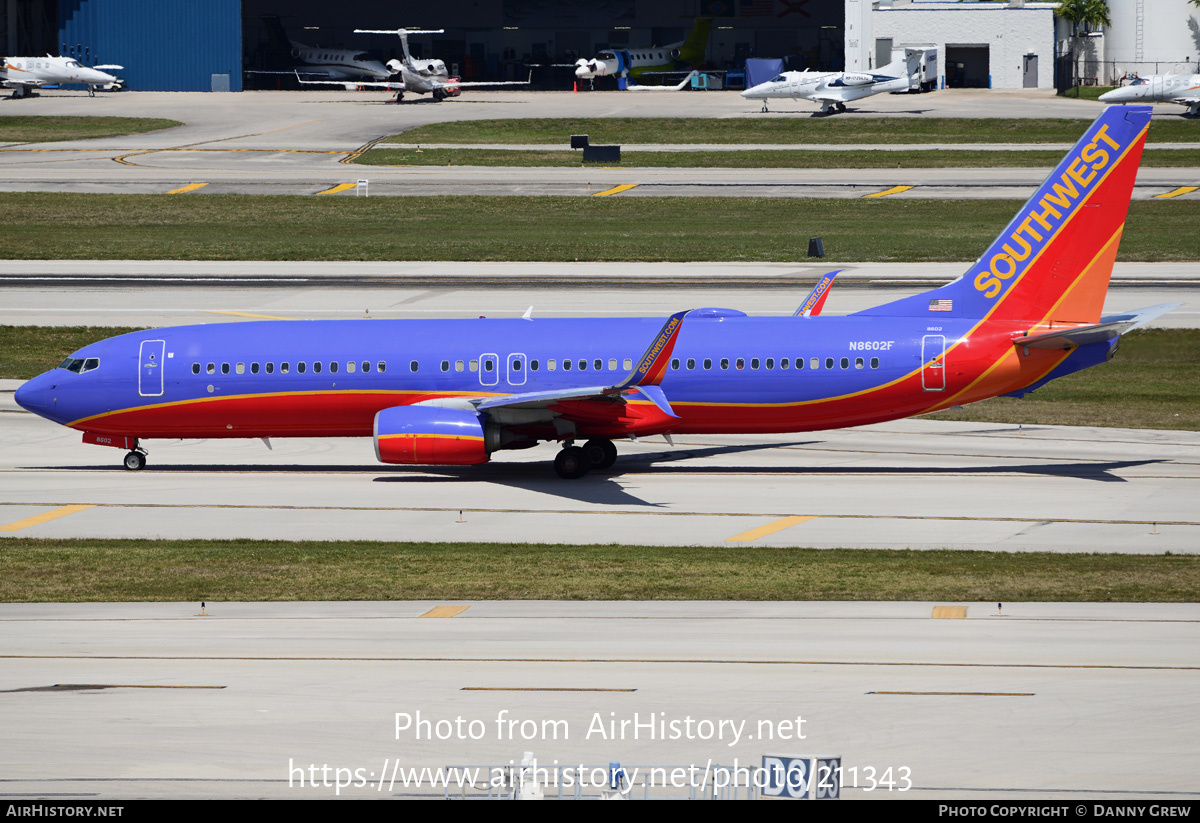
300, 141
1064, 702
162, 293
908, 484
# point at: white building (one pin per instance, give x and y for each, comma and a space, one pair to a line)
981, 45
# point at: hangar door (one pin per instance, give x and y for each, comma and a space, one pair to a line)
967, 67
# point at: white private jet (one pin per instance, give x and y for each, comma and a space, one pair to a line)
634, 62
26, 74
423, 76
320, 63
833, 90
1183, 89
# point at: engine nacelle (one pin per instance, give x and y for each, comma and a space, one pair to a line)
429, 435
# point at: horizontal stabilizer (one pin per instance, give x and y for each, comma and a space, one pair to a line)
1109, 327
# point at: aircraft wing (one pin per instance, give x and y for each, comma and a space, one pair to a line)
350, 85
815, 301
579, 402
1109, 327
679, 87
459, 85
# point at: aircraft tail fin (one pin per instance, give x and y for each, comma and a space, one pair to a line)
695, 47
1052, 262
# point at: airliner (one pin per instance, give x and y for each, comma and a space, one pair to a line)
456, 392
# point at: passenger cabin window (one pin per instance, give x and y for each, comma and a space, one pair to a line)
270, 368
708, 363
224, 368
582, 364
240, 368
628, 364
254, 368
799, 363
829, 362
724, 362
874, 362
211, 368
612, 364
598, 365
350, 366
283, 368
754, 362
459, 365
474, 365
366, 366
566, 365
551, 364
413, 366
533, 365
815, 362
691, 363
381, 366
333, 367
195, 368
675, 364
316, 367
784, 363
858, 363
445, 365
770, 362
301, 366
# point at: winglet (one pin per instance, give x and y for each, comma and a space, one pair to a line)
815, 301
652, 365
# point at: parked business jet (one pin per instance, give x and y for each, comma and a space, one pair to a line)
322, 63
833, 90
422, 76
454, 392
648, 59
26, 74
1183, 89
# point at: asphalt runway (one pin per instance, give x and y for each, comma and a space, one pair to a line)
299, 141
1062, 702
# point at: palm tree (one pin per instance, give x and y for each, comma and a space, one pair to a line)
1090, 13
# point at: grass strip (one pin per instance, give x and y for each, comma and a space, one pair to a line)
801, 130
84, 570
41, 225
21, 128
1153, 383
766, 159
27, 351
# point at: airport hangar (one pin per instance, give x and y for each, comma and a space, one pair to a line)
179, 46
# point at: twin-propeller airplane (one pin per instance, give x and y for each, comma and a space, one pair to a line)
454, 392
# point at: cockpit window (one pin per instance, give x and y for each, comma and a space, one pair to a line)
779, 79
71, 64
79, 365
1141, 81
606, 55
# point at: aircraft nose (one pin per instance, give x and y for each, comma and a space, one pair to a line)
35, 395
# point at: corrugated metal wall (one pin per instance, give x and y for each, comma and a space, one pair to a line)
164, 45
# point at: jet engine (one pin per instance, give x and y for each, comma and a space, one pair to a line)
430, 435
856, 79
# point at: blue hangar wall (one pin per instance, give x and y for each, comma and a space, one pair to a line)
164, 45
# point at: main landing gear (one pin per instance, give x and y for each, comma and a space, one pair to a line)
135, 460
574, 462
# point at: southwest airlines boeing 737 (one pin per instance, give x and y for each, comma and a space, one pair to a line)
454, 392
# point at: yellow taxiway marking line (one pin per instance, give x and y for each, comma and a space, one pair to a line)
892, 190
249, 314
45, 517
445, 611
950, 612
187, 188
1177, 192
340, 187
770, 528
616, 189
